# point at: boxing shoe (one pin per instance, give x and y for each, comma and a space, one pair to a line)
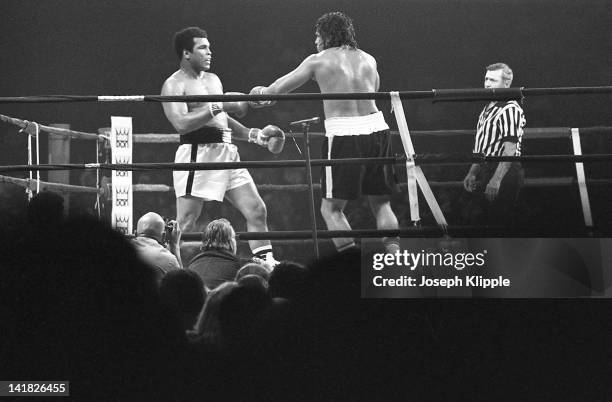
269, 262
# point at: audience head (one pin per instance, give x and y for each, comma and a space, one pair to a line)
219, 235
182, 293
288, 280
253, 280
241, 313
207, 328
253, 269
151, 225
335, 279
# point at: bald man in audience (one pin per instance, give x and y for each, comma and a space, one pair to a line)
152, 234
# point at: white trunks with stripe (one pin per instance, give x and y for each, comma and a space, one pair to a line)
208, 184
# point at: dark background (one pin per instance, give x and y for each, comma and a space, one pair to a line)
125, 48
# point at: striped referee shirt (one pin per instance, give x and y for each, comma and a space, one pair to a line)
499, 122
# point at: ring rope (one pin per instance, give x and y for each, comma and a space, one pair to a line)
530, 182
437, 95
413, 232
61, 187
24, 124
164, 188
437, 159
529, 133
162, 138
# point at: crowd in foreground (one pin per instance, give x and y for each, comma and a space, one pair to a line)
80, 304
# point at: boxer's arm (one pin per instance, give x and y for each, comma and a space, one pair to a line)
270, 136
294, 79
179, 115
377, 84
239, 131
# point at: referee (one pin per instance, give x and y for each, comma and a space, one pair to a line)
493, 188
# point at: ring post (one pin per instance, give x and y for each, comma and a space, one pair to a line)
580, 176
305, 126
59, 152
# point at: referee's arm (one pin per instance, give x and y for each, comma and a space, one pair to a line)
469, 182
502, 168
509, 123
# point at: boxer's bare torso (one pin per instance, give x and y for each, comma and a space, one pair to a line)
337, 69
187, 83
342, 69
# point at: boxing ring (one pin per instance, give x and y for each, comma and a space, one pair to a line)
410, 158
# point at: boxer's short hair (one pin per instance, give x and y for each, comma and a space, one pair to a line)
183, 39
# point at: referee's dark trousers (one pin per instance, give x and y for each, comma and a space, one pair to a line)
501, 212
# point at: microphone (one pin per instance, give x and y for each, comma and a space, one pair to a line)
313, 120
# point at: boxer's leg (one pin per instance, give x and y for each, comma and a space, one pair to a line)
188, 210
385, 219
248, 201
332, 210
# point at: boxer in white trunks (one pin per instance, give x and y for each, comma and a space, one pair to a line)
207, 132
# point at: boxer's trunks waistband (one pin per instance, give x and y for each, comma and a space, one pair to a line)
207, 135
355, 125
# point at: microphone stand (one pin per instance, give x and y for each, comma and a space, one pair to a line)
305, 127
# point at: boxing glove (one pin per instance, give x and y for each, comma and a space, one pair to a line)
276, 138
256, 136
271, 137
259, 90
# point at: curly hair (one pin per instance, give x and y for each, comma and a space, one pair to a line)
336, 29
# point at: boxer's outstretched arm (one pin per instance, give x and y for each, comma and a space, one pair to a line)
296, 78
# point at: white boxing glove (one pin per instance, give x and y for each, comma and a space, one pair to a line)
256, 136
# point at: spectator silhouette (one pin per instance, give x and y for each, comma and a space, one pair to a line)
217, 263
182, 295
289, 281
84, 308
253, 269
207, 330
150, 240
